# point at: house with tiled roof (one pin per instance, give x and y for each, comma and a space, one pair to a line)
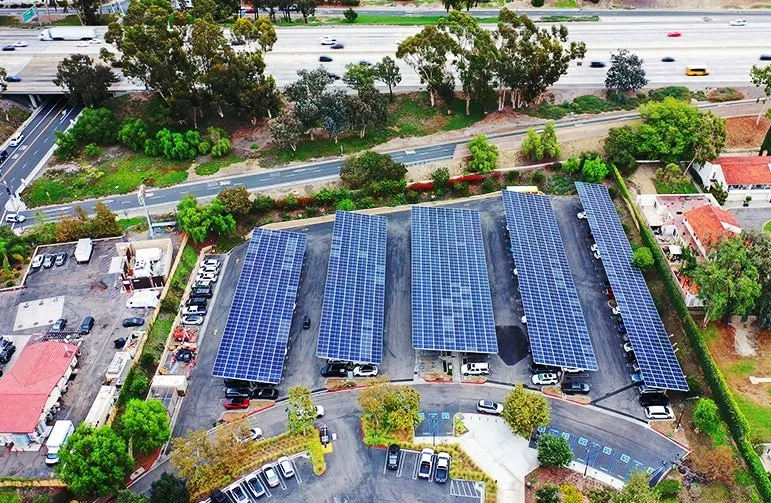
30, 393
743, 177
709, 224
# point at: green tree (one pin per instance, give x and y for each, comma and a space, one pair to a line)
96, 125
441, 179
532, 146
484, 155
105, 222
369, 108
706, 416
358, 76
670, 175
145, 425
301, 413
307, 93
285, 130
94, 462
169, 489
350, 15
758, 243
554, 451
127, 496
3, 83
719, 192
221, 148
335, 117
358, 171
133, 134
642, 258
572, 165
259, 30
524, 411
761, 77
198, 220
668, 489
594, 170
191, 456
621, 147
728, 281
548, 493
626, 73
551, 147
12, 248
66, 145
88, 12
387, 72
346, 205
391, 407
452, 4
427, 54
86, 84
235, 199
636, 490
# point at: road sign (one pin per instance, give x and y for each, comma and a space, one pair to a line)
29, 15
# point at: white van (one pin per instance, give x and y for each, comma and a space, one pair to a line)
16, 140
475, 369
659, 412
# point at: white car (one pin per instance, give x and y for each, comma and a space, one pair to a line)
523, 319
581, 215
271, 477
20, 43
737, 22
38, 261
328, 41
202, 283
15, 218
206, 275
616, 311
287, 468
95, 41
659, 412
84, 43
545, 379
319, 411
211, 262
597, 254
628, 347
489, 407
426, 463
594, 247
365, 371
16, 140
255, 433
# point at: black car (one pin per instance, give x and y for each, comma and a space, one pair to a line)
668, 59
197, 301
597, 64
306, 321
201, 292
335, 370
537, 368
338, 46
13, 78
237, 393
394, 454
265, 393
325, 59
576, 388
86, 325
218, 496
649, 399
9, 47
6, 352
133, 322
621, 328
3, 156
324, 434
59, 325
48, 261
765, 57
61, 259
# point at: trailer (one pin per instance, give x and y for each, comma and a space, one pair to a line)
59, 433
83, 250
101, 409
143, 299
118, 369
68, 33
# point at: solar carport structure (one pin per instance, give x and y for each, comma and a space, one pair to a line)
555, 323
655, 355
255, 337
452, 308
351, 327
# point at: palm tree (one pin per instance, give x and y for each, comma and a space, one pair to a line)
11, 249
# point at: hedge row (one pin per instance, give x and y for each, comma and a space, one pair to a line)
736, 421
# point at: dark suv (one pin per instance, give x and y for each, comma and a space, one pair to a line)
335, 370
196, 301
7, 349
87, 325
237, 393
576, 388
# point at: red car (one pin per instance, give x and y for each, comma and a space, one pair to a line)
236, 403
674, 34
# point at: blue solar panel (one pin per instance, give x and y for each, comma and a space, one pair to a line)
452, 309
555, 323
657, 360
351, 327
254, 340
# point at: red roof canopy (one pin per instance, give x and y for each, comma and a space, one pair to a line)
707, 223
745, 170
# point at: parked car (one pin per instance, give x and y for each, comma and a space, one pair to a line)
489, 407
271, 477
59, 325
213, 269
217, 496
255, 486
236, 403
628, 347
334, 370
306, 321
286, 467
442, 471
581, 215
86, 325
426, 463
324, 434
6, 352
637, 378
190, 310
239, 495
545, 379
197, 301
204, 283
393, 457
609, 292
202, 291
255, 433
37, 261
237, 393
211, 262
649, 399
576, 388
478, 368
206, 275
365, 371
133, 322
621, 328
265, 393
61, 259
48, 261
659, 412
537, 368
193, 319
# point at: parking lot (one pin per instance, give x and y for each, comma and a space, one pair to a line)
72, 291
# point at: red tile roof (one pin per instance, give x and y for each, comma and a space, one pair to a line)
745, 170
25, 389
707, 223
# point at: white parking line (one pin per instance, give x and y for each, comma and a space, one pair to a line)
417, 467
385, 463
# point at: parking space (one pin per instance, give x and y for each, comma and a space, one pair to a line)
271, 482
72, 291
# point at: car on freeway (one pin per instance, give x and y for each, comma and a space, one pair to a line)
328, 41
48, 261
61, 259
545, 379
393, 456
59, 325
271, 477
674, 34
37, 261
9, 47
338, 46
581, 215
306, 321
426, 463
16, 140
442, 472
95, 41
325, 59
84, 43
133, 322
576, 388
238, 495
15, 218
765, 57
286, 467
192, 319
265, 393
364, 62
597, 64
489, 407
236, 403
20, 43
13, 78
365, 371
668, 59
335, 370
737, 22
255, 486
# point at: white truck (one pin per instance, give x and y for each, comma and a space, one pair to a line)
68, 33
143, 299
100, 411
119, 368
59, 433
83, 250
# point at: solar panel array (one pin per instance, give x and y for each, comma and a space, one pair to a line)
351, 327
655, 355
452, 309
555, 323
255, 337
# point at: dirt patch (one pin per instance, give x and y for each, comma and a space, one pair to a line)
642, 179
557, 476
11, 117
744, 133
736, 368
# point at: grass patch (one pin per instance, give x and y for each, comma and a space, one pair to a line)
758, 417
11, 21
565, 4
767, 227
213, 165
71, 20
119, 176
741, 368
674, 188
722, 94
409, 115
126, 223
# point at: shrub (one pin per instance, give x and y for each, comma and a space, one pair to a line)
484, 155
725, 94
589, 104
554, 451
537, 178
460, 188
92, 150
350, 15
706, 416
677, 92
262, 203
571, 494
291, 202
512, 177
221, 148
668, 488
572, 165
490, 185
204, 147
133, 134
537, 3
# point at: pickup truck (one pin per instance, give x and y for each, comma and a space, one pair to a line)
442, 467
426, 460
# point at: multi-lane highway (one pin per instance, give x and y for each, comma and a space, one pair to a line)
728, 51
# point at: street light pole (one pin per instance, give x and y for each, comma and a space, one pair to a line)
586, 463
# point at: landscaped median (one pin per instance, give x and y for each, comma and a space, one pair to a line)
725, 400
